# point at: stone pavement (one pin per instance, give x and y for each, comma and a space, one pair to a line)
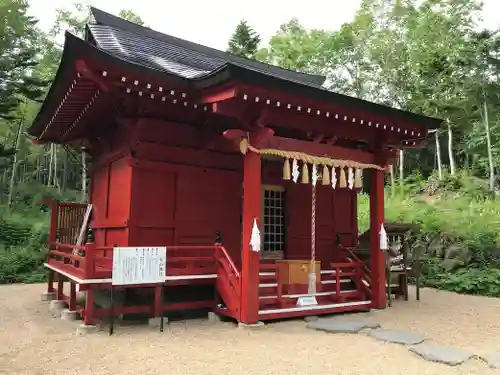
415, 343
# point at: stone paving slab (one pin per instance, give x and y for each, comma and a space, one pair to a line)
334, 325
492, 359
441, 354
397, 337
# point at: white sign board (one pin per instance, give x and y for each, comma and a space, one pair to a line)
139, 265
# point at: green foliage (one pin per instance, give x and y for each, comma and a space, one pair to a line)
244, 42
23, 241
19, 54
458, 209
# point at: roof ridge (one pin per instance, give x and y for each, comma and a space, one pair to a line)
106, 19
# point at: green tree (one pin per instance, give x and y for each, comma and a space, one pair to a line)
129, 15
19, 54
75, 17
244, 42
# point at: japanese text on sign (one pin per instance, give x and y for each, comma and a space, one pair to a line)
139, 265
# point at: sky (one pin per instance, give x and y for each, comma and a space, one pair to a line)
211, 23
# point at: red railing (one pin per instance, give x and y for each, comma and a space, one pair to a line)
228, 281
363, 274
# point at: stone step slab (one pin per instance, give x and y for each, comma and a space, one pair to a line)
440, 354
341, 325
397, 337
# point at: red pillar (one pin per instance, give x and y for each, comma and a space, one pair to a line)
250, 260
377, 256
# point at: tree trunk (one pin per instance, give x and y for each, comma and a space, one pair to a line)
84, 177
393, 180
488, 144
401, 170
438, 156
51, 157
14, 164
450, 148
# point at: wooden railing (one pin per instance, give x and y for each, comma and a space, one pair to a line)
228, 281
65, 221
362, 278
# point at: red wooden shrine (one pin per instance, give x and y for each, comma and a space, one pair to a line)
165, 122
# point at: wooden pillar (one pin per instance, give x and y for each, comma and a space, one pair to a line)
158, 301
89, 318
50, 281
250, 260
72, 296
377, 256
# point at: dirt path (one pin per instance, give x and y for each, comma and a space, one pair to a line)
31, 342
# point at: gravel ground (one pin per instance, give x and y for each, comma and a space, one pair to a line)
31, 342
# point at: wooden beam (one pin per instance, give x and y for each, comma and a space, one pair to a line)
83, 69
218, 94
307, 103
312, 148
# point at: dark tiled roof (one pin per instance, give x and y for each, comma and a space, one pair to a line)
150, 48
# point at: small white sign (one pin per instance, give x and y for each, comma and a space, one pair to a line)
139, 265
307, 301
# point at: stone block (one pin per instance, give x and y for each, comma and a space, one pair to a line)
69, 315
56, 308
156, 322
84, 329
48, 296
258, 325
213, 317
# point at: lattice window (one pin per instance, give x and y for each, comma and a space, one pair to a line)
274, 222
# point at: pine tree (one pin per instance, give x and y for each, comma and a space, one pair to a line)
244, 41
19, 52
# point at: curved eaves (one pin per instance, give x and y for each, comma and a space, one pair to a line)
243, 74
57, 88
74, 49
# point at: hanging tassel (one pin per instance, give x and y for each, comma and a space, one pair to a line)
326, 176
295, 171
343, 181
305, 174
334, 178
314, 175
244, 146
357, 179
286, 170
350, 177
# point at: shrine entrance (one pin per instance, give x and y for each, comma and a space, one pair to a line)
273, 221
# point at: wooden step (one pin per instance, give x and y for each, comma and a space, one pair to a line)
291, 299
321, 308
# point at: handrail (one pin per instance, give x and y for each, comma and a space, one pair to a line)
230, 261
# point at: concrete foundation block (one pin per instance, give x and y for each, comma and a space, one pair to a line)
69, 315
84, 329
156, 322
213, 317
48, 296
258, 325
56, 308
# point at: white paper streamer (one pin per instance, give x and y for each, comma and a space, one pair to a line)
334, 178
295, 171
